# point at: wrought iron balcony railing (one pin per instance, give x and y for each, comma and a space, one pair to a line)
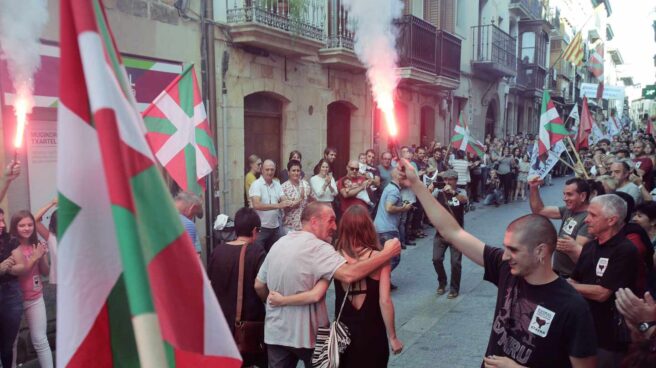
304, 18
494, 50
448, 55
340, 26
416, 43
531, 8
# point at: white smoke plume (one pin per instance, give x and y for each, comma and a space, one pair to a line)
21, 24
375, 45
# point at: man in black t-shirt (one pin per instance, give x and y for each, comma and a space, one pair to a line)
606, 264
539, 320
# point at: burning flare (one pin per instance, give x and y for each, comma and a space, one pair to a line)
20, 110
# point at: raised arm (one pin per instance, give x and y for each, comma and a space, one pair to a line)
307, 297
353, 272
40, 228
11, 172
537, 207
447, 226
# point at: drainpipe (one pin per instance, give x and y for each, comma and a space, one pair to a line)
209, 97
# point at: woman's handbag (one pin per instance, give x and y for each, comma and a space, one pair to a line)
331, 341
249, 335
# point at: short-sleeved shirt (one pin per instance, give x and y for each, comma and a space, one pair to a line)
385, 221
190, 228
612, 265
345, 203
223, 272
385, 175
632, 190
456, 207
645, 164
537, 325
269, 194
573, 225
312, 260
292, 216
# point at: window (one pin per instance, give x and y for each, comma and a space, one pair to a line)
460, 13
528, 48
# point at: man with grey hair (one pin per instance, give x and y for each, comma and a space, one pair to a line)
606, 264
621, 171
190, 206
267, 199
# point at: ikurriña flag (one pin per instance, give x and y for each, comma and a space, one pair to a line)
551, 128
179, 133
462, 139
132, 291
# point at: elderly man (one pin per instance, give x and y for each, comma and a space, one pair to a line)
290, 332
621, 171
353, 188
606, 264
190, 207
267, 199
385, 169
573, 233
539, 320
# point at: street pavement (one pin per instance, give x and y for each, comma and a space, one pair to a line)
439, 332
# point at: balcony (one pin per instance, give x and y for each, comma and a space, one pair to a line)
286, 27
531, 77
428, 57
338, 50
526, 9
494, 52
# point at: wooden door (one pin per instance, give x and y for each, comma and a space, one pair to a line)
339, 136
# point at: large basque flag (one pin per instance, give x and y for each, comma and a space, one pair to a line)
551, 128
179, 134
132, 292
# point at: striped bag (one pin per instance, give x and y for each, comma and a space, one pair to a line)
331, 341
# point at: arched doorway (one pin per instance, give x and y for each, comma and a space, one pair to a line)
427, 127
262, 127
339, 135
490, 120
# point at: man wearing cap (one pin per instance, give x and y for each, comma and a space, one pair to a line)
454, 199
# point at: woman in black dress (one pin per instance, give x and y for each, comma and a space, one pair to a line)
369, 312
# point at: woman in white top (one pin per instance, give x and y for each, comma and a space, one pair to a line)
323, 185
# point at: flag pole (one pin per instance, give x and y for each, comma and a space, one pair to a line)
578, 157
561, 160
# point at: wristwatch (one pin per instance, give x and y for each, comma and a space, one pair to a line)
644, 326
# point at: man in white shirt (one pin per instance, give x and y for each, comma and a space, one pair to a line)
267, 199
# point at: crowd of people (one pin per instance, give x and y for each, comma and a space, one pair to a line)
579, 296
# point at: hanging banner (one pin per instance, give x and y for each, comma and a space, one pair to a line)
41, 162
147, 77
589, 90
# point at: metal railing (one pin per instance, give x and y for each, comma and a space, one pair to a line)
448, 53
416, 43
491, 44
533, 7
531, 76
305, 18
340, 26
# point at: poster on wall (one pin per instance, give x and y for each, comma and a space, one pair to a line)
147, 77
41, 139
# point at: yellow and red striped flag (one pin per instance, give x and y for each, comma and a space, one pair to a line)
574, 51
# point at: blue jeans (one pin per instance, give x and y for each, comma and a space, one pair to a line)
493, 198
383, 237
267, 237
11, 311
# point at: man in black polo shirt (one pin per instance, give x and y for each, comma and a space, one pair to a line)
539, 320
606, 264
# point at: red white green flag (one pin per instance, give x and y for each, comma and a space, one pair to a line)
552, 128
463, 140
596, 62
132, 292
179, 134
